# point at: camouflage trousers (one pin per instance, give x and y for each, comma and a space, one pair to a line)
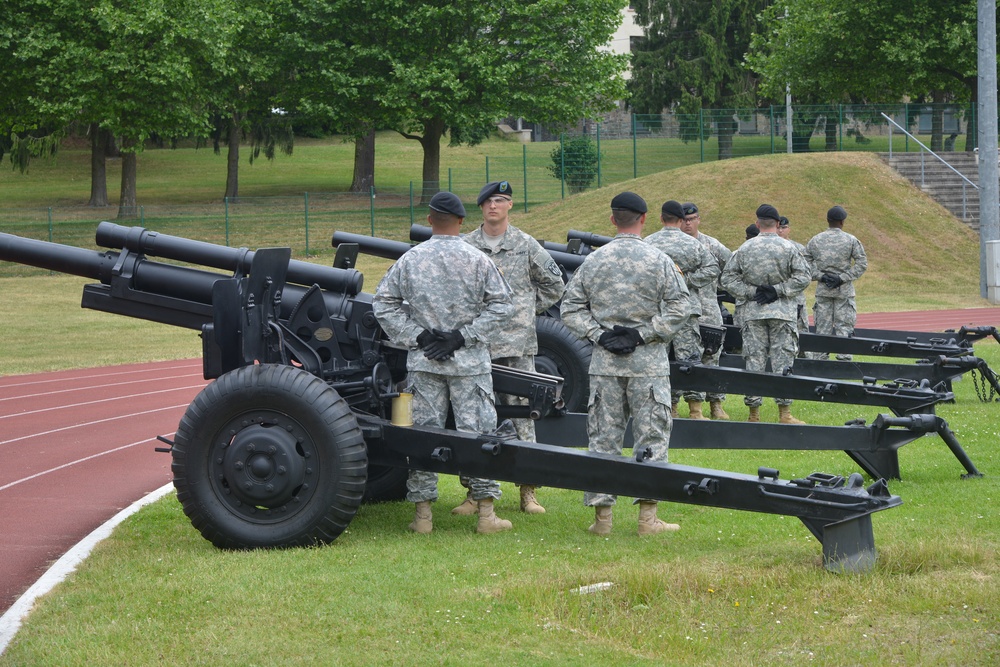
471, 400
834, 317
613, 400
777, 340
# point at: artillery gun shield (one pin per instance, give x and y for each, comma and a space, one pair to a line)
269, 456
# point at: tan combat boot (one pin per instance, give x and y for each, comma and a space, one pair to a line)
422, 522
489, 522
695, 412
716, 411
468, 506
529, 504
649, 524
602, 520
785, 415
754, 414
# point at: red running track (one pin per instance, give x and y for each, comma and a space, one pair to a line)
78, 446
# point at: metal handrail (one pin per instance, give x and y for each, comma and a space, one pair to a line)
939, 159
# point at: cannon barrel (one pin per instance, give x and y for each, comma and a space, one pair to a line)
143, 241
567, 260
55, 257
371, 245
588, 238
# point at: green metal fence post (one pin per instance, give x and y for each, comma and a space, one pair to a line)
305, 205
524, 166
487, 168
411, 203
598, 155
840, 125
635, 151
226, 216
562, 164
906, 124
701, 132
371, 204
449, 180
142, 216
50, 224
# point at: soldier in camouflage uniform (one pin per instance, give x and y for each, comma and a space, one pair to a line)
767, 273
701, 271
456, 305
838, 259
629, 300
801, 320
711, 312
536, 284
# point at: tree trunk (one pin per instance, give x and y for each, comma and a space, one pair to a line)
431, 141
726, 128
364, 163
127, 206
98, 167
831, 132
937, 122
233, 160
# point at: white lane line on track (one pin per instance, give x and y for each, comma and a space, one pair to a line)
126, 397
98, 421
11, 620
92, 387
76, 462
63, 377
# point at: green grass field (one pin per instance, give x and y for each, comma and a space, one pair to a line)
731, 588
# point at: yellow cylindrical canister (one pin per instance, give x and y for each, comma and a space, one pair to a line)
402, 409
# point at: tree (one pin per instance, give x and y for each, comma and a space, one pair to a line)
868, 52
454, 67
575, 162
135, 69
691, 58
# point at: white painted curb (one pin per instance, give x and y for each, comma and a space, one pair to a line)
11, 621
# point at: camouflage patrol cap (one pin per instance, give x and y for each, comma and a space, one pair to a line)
767, 212
836, 214
447, 202
672, 209
494, 188
628, 201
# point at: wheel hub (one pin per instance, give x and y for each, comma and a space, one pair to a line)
263, 465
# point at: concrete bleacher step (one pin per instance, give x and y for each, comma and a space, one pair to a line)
942, 183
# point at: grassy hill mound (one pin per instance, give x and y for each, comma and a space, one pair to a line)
919, 255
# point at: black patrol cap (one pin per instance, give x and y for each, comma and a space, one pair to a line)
494, 188
447, 202
628, 201
689, 208
768, 212
752, 231
836, 214
672, 209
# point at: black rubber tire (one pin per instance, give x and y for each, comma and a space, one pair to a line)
563, 354
269, 456
386, 484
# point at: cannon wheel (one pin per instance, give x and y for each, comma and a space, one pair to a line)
269, 456
563, 354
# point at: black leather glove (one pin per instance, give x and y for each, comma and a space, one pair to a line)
445, 345
766, 294
608, 338
425, 338
632, 336
831, 280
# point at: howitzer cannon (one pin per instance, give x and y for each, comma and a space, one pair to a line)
276, 451
875, 452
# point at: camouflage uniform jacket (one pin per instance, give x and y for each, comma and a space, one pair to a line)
802, 251
698, 266
535, 281
447, 285
767, 259
709, 295
630, 283
836, 251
